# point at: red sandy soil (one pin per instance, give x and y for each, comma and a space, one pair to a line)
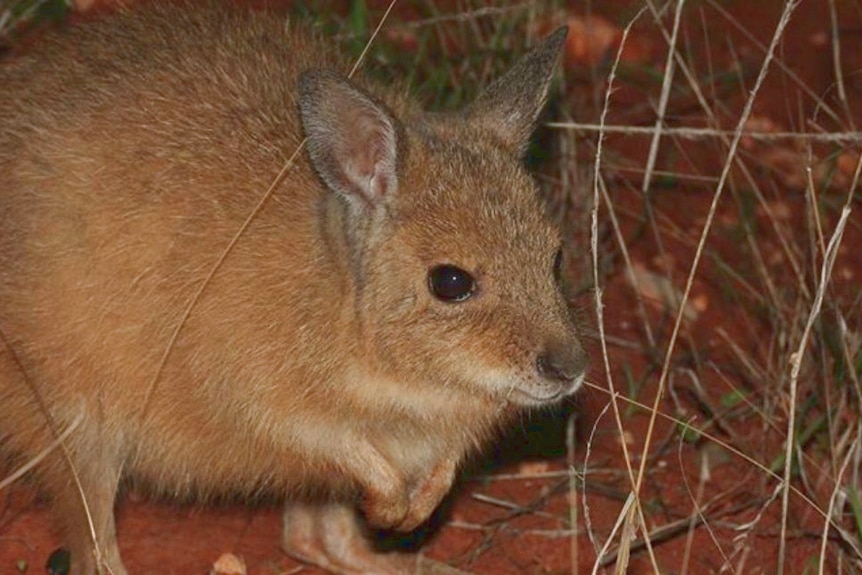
529, 532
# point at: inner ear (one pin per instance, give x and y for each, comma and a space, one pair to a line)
352, 139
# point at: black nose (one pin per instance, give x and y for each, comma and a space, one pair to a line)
562, 364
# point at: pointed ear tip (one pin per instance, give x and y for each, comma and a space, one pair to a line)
558, 37
552, 44
560, 33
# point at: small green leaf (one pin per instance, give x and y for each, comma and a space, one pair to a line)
732, 398
688, 433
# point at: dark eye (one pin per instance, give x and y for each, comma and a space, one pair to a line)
558, 265
450, 283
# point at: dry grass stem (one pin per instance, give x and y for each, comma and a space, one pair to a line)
796, 365
598, 291
688, 133
832, 500
785, 18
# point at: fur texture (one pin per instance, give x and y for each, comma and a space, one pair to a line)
317, 360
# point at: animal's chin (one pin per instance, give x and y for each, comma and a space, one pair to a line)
531, 398
527, 395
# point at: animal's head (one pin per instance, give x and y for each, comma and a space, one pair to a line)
455, 262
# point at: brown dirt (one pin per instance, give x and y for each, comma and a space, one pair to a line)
531, 536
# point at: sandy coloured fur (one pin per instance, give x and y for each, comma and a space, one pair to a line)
130, 152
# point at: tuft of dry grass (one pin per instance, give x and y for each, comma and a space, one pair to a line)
794, 304
774, 373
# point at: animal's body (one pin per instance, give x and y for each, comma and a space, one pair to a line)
389, 307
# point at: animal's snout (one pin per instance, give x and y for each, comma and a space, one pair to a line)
562, 363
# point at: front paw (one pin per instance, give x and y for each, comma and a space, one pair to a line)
393, 501
386, 511
427, 495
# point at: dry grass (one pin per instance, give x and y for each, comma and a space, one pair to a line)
797, 320
796, 378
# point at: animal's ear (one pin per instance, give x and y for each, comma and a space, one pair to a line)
510, 106
352, 140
